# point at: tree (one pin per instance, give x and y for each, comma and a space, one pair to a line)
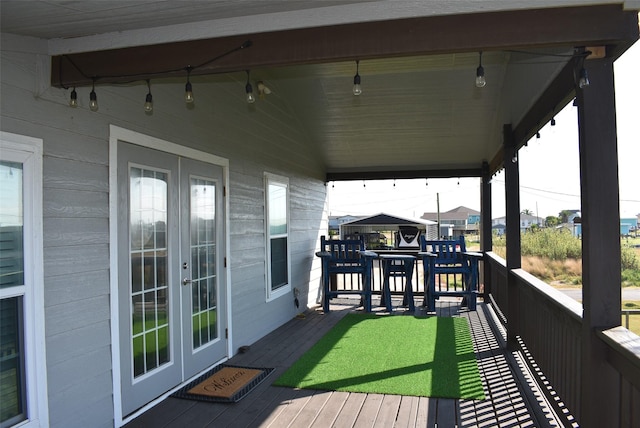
564, 216
526, 211
551, 221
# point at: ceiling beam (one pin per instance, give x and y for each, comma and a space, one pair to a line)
573, 26
400, 174
555, 97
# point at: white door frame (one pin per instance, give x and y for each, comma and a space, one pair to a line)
116, 134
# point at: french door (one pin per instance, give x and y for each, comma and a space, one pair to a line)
171, 291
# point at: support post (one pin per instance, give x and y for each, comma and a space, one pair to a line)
512, 204
601, 260
486, 237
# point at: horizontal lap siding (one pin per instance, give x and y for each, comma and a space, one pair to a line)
76, 244
278, 148
264, 137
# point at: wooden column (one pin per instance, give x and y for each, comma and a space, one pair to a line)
486, 237
601, 294
512, 204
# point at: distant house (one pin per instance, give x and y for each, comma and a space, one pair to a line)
499, 228
526, 221
459, 221
336, 221
573, 215
628, 225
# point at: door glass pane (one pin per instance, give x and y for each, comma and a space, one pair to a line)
203, 254
11, 223
148, 256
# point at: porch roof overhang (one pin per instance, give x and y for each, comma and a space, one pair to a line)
420, 114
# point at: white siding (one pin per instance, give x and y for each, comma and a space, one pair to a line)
258, 138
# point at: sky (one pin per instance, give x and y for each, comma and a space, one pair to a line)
549, 169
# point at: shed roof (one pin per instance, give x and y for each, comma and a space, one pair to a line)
386, 219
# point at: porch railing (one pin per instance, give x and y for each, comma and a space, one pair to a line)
549, 329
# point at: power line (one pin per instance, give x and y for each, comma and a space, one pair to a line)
563, 194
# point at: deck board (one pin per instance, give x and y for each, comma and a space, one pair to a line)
270, 406
331, 410
350, 411
388, 412
407, 413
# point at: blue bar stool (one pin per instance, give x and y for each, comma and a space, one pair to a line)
398, 266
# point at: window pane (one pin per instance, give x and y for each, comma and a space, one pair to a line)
277, 209
279, 275
11, 237
12, 395
277, 221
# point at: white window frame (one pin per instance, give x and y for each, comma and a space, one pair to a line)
28, 152
285, 289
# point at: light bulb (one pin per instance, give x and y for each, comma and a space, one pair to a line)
73, 100
188, 93
357, 89
480, 80
148, 103
584, 79
93, 100
250, 97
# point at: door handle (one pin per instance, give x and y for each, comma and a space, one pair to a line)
186, 281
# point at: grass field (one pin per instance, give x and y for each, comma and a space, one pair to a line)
551, 257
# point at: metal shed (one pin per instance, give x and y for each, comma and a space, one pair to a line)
384, 231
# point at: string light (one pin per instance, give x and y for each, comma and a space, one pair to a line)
73, 100
583, 81
188, 96
480, 80
249, 90
93, 98
148, 102
357, 89
188, 89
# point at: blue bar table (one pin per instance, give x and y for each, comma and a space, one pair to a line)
397, 265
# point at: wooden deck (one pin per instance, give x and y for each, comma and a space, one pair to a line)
512, 399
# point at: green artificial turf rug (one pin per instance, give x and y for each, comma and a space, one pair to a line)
391, 354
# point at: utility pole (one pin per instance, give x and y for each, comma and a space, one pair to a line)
438, 212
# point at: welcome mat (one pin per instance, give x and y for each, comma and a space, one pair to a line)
224, 384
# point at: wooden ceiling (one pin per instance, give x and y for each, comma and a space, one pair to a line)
420, 114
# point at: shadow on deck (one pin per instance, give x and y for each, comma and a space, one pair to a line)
513, 399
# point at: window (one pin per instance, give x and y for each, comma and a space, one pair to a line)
277, 221
22, 354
